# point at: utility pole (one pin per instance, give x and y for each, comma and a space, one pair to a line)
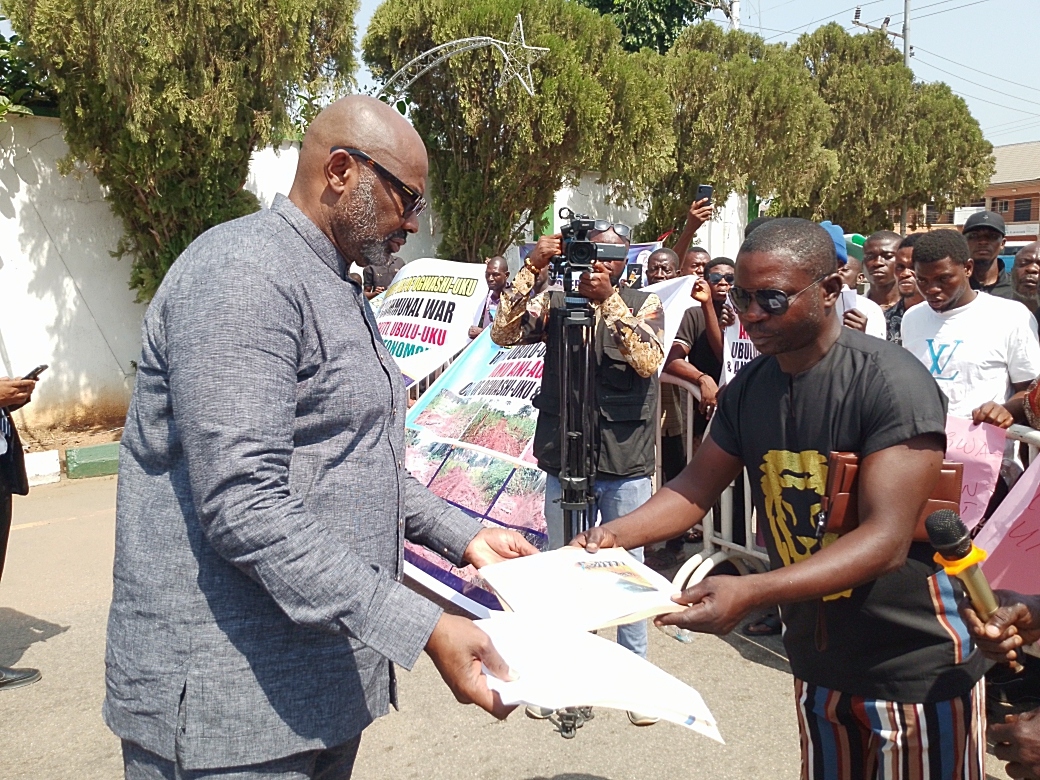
729, 7
908, 52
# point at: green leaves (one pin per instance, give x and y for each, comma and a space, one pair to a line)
649, 24
165, 100
23, 89
745, 113
894, 140
499, 155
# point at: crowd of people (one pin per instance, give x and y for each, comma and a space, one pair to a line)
870, 622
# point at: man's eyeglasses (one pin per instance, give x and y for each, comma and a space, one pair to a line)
716, 278
774, 302
413, 200
623, 231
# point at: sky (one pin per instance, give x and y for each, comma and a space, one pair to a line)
984, 49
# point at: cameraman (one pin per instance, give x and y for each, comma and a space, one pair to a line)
629, 330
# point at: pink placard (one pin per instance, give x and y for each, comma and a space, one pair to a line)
1012, 537
980, 448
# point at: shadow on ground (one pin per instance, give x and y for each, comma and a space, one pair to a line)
571, 776
19, 632
765, 650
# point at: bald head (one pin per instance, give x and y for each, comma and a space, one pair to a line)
362, 210
1025, 275
496, 273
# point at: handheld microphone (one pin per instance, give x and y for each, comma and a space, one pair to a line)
960, 558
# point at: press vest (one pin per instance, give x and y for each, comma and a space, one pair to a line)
626, 402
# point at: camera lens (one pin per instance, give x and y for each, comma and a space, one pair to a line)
582, 252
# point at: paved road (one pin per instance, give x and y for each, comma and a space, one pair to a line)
53, 605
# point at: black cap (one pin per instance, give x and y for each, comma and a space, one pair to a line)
988, 219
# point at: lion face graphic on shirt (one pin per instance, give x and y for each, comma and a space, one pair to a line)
793, 484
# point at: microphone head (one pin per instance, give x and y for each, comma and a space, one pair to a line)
948, 534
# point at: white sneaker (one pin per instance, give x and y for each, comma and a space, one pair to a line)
638, 719
538, 713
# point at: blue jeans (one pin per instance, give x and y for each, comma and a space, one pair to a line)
614, 498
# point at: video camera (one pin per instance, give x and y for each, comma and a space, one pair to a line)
578, 252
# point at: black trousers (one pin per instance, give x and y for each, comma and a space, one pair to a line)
5, 526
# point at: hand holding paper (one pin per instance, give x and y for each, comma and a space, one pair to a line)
460, 651
715, 605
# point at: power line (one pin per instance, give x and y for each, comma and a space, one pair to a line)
947, 10
977, 84
825, 18
984, 100
976, 70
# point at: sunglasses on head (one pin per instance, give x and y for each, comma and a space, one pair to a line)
773, 302
624, 231
715, 278
412, 200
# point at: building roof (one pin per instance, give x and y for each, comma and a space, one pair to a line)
1016, 162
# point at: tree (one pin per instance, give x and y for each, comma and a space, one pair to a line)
165, 100
952, 162
745, 113
23, 90
649, 24
895, 140
498, 155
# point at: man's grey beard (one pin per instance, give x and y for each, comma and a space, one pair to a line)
357, 227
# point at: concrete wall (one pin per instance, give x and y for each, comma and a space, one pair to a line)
63, 299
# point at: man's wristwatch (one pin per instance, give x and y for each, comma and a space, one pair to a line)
530, 266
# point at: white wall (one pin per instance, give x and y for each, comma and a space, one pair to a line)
63, 299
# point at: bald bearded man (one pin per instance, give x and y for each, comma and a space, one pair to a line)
258, 607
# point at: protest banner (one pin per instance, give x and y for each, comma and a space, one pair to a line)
425, 314
1012, 537
469, 440
737, 351
981, 449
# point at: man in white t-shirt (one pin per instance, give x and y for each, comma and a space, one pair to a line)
979, 348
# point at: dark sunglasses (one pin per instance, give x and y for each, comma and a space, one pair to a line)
623, 231
413, 200
774, 302
716, 278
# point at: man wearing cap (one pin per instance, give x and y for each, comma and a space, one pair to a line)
984, 232
865, 315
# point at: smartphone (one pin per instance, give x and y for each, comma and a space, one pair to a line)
704, 191
35, 373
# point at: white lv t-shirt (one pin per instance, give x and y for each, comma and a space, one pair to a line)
975, 352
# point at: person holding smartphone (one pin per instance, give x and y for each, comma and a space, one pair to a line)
14, 394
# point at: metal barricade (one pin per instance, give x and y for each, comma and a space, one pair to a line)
1026, 435
720, 546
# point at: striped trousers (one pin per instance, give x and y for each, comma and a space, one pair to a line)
847, 737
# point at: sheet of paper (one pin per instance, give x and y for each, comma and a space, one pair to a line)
737, 351
559, 667
848, 301
1012, 537
584, 591
980, 448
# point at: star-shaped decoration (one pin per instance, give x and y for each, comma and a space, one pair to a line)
519, 57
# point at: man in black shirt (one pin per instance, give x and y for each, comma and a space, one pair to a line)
984, 232
906, 283
376, 278
886, 675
